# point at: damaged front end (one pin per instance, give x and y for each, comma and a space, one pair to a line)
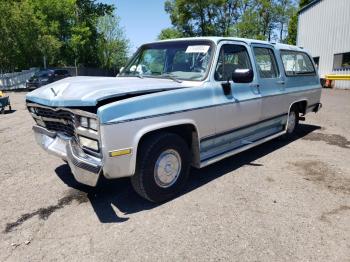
73, 135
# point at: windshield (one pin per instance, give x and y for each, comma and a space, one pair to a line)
185, 60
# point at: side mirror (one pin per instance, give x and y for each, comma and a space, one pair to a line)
243, 75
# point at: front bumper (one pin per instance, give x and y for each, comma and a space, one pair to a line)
85, 168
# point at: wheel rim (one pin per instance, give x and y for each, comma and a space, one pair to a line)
167, 168
291, 122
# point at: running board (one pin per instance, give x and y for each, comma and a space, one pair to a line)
239, 150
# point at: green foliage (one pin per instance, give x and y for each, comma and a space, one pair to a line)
63, 31
112, 45
203, 18
293, 25
169, 33
259, 19
303, 3
292, 30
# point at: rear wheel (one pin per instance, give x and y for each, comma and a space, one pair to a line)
162, 167
292, 122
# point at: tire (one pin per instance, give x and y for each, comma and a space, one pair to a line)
293, 122
162, 168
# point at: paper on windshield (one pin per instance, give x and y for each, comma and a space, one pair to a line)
197, 49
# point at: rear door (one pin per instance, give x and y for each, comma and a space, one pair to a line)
271, 81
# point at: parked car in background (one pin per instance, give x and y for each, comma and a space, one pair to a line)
44, 77
176, 104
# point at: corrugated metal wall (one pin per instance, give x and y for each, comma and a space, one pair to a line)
324, 30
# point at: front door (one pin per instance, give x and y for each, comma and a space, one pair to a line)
236, 111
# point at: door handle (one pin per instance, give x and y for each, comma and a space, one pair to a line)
281, 82
255, 86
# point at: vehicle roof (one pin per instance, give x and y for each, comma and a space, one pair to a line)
217, 39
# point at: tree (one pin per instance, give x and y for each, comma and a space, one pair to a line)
292, 30
284, 10
249, 26
169, 33
112, 45
259, 19
62, 31
87, 14
293, 25
49, 47
19, 29
203, 18
304, 3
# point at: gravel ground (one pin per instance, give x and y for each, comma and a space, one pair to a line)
281, 201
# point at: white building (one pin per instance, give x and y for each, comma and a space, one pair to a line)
324, 30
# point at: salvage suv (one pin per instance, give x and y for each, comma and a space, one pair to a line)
176, 104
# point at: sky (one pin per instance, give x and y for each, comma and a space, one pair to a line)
142, 20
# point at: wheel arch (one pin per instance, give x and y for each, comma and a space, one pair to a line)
301, 104
186, 129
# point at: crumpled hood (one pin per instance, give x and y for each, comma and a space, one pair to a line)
87, 91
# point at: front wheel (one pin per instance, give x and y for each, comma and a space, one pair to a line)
162, 168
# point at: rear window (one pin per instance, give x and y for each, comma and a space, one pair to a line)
297, 63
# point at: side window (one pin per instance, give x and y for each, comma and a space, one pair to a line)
341, 61
231, 57
316, 61
297, 63
266, 62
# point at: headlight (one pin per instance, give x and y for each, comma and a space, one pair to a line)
93, 124
84, 122
89, 123
88, 143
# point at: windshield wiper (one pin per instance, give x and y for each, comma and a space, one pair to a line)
172, 77
131, 75
137, 74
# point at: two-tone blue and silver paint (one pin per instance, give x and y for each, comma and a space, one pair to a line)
222, 124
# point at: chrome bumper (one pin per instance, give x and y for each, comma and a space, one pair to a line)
86, 169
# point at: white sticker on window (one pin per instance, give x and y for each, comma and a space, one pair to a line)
197, 49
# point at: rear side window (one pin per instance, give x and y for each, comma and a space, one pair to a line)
297, 63
266, 62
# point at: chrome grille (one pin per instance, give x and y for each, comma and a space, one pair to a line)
55, 120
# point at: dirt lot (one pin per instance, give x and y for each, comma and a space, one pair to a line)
282, 201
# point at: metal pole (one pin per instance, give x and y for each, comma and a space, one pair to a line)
76, 68
44, 62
